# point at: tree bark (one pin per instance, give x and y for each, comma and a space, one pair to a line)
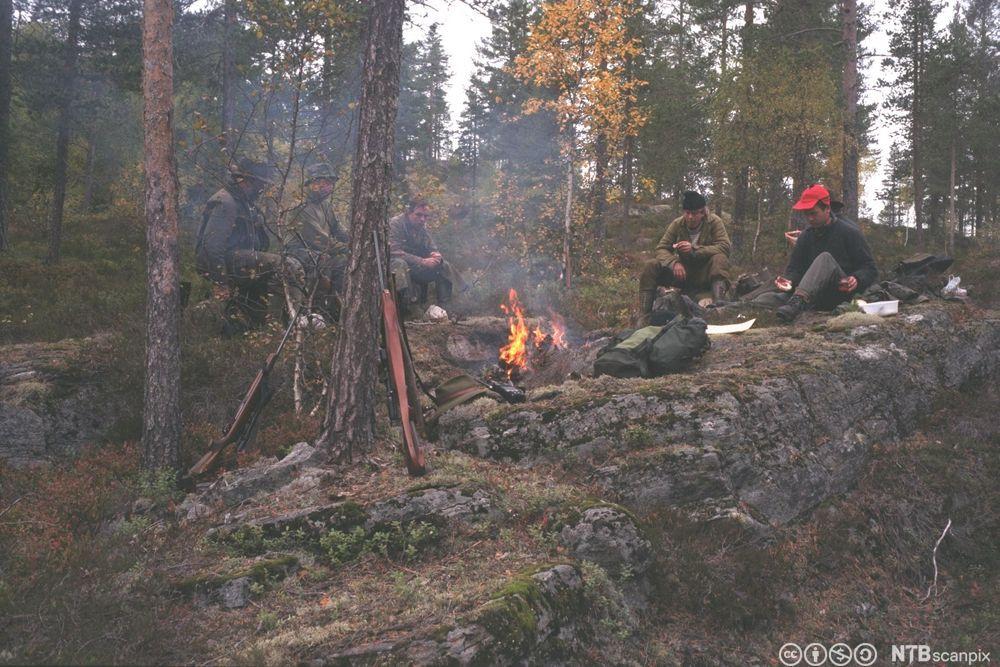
718, 176
88, 188
6, 44
849, 88
568, 223
952, 218
350, 416
741, 186
600, 192
628, 175
62, 140
916, 161
228, 73
161, 419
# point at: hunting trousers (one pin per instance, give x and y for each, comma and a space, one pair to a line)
819, 285
701, 273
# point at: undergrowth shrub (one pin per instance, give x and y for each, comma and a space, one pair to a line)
76, 587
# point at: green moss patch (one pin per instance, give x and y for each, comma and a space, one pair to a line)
261, 572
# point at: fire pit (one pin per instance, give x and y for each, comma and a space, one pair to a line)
528, 347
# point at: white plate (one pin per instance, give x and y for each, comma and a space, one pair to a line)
882, 308
729, 328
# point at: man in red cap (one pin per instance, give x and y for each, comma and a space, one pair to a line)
830, 261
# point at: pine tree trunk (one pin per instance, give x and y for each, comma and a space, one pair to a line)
326, 86
6, 44
718, 177
600, 192
740, 197
161, 417
952, 218
568, 223
228, 73
743, 175
88, 188
915, 132
62, 140
628, 175
350, 416
849, 86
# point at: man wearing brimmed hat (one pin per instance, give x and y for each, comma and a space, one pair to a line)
830, 261
231, 249
315, 237
415, 260
693, 255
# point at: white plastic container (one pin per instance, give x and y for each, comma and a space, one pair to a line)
882, 308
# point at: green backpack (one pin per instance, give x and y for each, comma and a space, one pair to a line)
653, 351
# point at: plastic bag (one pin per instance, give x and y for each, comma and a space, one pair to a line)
952, 288
437, 314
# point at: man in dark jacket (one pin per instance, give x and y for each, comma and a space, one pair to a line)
830, 261
415, 260
693, 254
231, 250
315, 238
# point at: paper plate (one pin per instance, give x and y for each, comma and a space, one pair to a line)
729, 328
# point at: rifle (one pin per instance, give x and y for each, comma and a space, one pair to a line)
404, 403
243, 425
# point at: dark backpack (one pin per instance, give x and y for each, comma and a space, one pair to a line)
681, 342
653, 351
625, 356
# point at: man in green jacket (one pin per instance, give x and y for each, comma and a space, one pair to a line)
232, 249
693, 255
315, 238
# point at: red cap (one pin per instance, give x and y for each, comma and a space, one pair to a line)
810, 196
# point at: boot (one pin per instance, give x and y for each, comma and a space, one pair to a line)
792, 309
646, 298
719, 292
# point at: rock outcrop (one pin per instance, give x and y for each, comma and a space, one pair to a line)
50, 401
767, 426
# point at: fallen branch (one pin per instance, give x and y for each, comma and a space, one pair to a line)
11, 506
933, 586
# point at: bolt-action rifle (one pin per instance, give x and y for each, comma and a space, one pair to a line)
401, 382
243, 426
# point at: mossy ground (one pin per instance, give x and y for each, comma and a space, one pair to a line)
87, 580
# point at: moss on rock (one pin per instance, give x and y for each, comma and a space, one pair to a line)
270, 569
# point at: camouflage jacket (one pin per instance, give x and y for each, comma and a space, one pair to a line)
409, 242
713, 239
229, 223
314, 226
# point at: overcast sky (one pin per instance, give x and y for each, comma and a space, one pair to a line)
463, 28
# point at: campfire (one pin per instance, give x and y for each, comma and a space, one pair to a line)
527, 347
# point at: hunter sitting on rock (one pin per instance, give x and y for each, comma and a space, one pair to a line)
693, 255
318, 241
232, 249
830, 262
415, 261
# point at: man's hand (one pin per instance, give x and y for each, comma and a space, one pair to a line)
782, 283
793, 236
436, 256
680, 274
848, 284
428, 262
683, 247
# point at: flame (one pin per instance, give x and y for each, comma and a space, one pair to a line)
558, 330
514, 356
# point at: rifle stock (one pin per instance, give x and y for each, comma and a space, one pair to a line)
241, 427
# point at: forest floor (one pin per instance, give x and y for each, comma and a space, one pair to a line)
99, 561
